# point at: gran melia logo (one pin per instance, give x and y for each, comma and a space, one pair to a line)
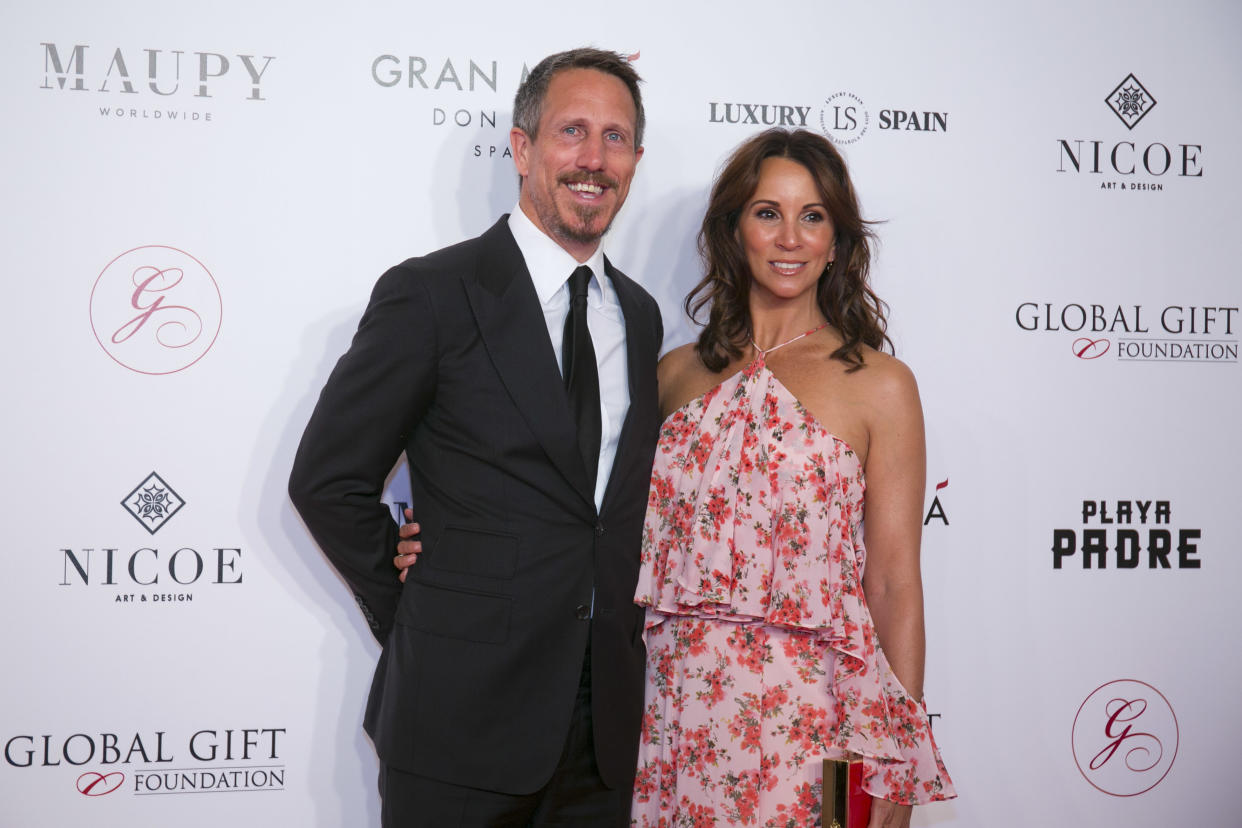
1130, 101
152, 503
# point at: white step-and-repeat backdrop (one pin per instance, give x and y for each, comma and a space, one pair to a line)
198, 198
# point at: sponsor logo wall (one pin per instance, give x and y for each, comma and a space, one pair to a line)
1056, 250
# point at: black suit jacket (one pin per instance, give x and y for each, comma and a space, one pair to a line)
483, 646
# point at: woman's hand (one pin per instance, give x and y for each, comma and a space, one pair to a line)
885, 814
408, 549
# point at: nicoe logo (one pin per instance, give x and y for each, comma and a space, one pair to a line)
1125, 738
156, 310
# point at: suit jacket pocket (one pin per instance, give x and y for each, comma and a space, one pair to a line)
475, 552
455, 613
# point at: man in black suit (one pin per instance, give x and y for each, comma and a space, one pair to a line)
509, 689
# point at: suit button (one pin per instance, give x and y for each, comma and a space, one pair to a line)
583, 612
599, 528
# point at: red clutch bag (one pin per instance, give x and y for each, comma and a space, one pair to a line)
846, 804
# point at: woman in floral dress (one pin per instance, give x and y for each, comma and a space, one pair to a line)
784, 609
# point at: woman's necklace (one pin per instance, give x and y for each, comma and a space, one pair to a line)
764, 352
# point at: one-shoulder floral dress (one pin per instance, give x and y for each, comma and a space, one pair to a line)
762, 658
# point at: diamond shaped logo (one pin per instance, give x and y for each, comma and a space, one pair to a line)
153, 503
1130, 101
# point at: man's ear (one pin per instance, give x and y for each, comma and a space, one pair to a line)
520, 143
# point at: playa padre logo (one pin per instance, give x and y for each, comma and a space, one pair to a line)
1126, 534
1125, 737
156, 309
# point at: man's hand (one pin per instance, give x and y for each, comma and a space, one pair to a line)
408, 549
885, 814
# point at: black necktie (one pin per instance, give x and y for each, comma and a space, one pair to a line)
581, 375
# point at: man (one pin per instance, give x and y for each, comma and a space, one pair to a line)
509, 689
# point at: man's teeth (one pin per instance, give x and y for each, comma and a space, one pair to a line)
587, 189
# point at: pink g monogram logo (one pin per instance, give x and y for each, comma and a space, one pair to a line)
1125, 738
155, 309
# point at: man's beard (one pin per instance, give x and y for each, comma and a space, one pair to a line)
582, 230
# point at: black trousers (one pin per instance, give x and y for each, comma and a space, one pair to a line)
574, 796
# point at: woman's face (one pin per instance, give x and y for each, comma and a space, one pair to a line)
785, 231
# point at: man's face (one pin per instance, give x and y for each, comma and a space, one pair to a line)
577, 172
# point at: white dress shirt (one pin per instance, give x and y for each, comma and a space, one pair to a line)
550, 267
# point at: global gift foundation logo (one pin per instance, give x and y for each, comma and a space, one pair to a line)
1125, 738
1136, 333
156, 310
156, 762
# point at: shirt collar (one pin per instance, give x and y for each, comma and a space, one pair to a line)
550, 265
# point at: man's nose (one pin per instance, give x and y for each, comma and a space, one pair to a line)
591, 153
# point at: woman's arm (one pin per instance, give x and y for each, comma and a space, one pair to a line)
896, 473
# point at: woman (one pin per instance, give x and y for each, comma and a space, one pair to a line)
764, 628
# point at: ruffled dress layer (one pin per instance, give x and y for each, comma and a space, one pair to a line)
762, 655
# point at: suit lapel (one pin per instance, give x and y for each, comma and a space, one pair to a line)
641, 350
513, 328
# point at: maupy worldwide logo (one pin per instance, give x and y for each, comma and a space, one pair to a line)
167, 86
1182, 333
152, 503
1130, 101
156, 309
1125, 737
1122, 162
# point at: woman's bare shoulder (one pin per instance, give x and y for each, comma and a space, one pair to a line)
683, 377
887, 378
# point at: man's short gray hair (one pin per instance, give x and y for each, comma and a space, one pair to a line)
528, 104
